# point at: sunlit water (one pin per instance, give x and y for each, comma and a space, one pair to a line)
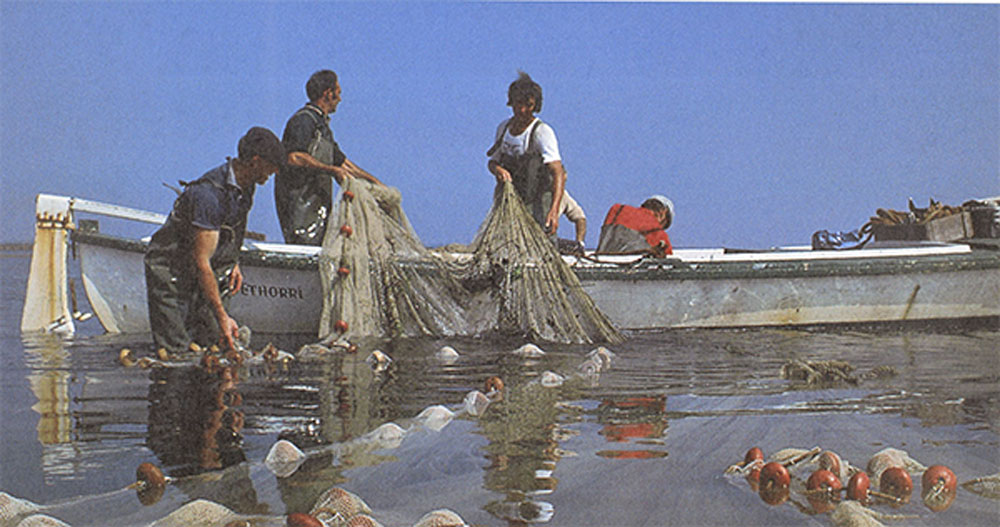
645, 443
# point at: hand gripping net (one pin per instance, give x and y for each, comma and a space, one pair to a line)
381, 281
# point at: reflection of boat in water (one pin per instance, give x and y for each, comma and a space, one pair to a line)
639, 420
694, 288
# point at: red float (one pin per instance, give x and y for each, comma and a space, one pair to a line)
343, 271
340, 326
494, 384
830, 461
897, 483
939, 475
298, 519
348, 195
753, 477
753, 454
774, 476
346, 230
823, 485
774, 496
823, 479
857, 487
150, 483
938, 488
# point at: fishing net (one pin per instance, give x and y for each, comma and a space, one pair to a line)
381, 281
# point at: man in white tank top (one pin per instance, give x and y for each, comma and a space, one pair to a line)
526, 153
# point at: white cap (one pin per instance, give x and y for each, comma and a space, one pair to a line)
666, 203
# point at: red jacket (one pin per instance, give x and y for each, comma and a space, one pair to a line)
629, 229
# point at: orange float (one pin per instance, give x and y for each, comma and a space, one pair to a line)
774, 496
298, 519
150, 483
896, 482
830, 461
823, 484
752, 455
774, 475
493, 384
857, 487
938, 488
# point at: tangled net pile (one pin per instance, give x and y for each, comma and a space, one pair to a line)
381, 281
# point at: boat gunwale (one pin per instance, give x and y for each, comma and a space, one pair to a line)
660, 269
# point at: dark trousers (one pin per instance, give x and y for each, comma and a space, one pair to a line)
178, 311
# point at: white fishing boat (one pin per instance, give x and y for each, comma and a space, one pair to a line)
713, 288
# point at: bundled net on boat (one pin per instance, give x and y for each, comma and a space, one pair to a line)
381, 281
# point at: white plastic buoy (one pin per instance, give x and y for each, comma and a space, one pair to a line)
440, 518
42, 520
476, 402
602, 355
336, 501
11, 507
378, 358
589, 367
435, 417
529, 351
388, 436
197, 512
446, 354
550, 379
284, 458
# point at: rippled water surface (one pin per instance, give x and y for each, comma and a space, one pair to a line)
644, 443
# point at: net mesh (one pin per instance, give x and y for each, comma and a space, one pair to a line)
381, 281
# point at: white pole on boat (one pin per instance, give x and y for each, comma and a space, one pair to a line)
45, 303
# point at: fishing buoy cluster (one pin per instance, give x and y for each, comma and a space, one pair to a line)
825, 473
212, 359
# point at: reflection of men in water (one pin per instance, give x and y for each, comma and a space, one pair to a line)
523, 450
195, 426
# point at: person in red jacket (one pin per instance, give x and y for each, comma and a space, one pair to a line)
629, 229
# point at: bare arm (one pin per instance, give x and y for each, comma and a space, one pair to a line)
205, 242
498, 171
304, 160
358, 172
558, 185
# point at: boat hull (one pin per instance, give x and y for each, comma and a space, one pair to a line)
282, 291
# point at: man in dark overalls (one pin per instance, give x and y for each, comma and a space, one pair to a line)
192, 265
303, 191
526, 153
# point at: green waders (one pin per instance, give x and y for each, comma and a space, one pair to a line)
303, 197
531, 178
179, 314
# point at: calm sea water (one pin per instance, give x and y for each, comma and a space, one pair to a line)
646, 443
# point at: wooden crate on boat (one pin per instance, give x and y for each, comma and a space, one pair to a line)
946, 229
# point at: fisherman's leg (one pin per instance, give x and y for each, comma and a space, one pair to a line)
201, 321
168, 308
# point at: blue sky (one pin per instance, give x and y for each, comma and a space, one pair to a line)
763, 122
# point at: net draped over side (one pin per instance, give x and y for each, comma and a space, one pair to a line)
381, 281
